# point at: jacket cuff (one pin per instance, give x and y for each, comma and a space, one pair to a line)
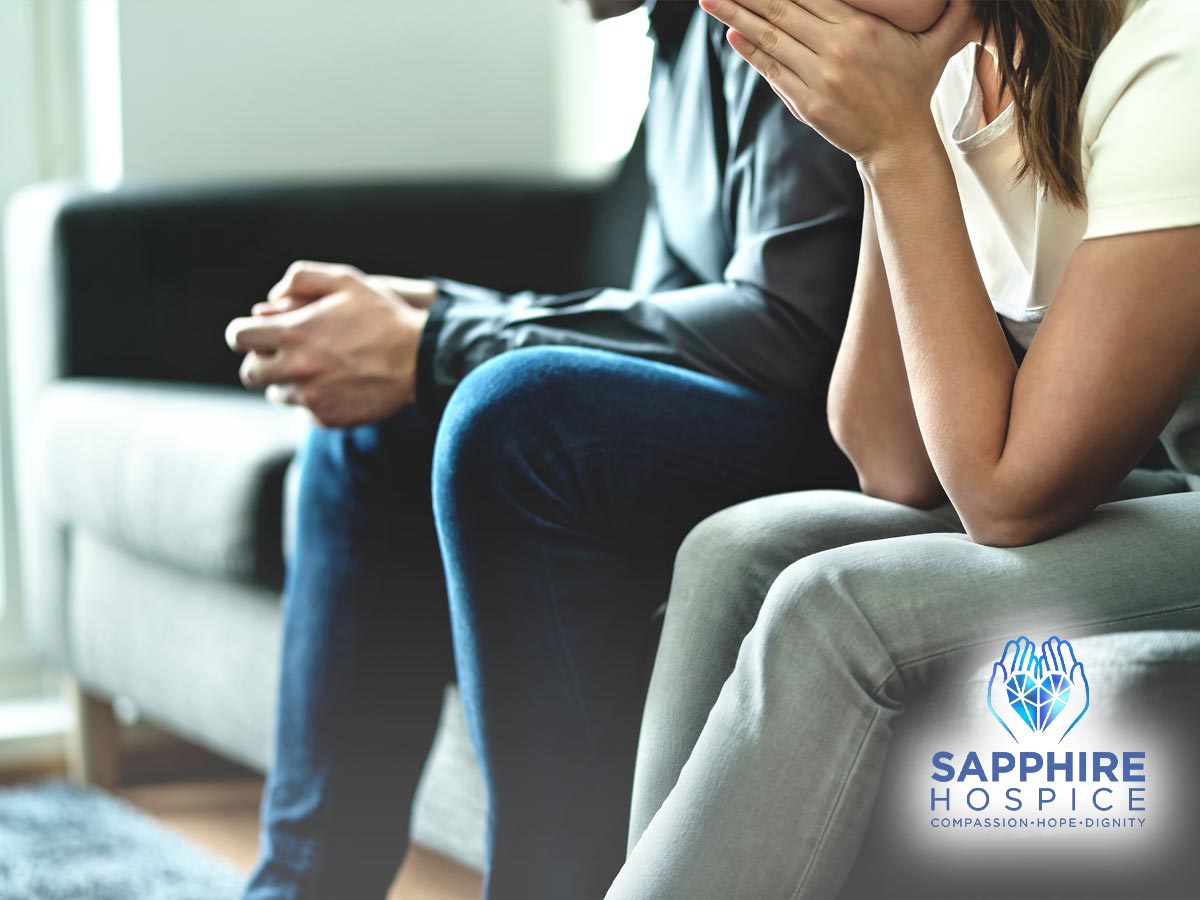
427, 347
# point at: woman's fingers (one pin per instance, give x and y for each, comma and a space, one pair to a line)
775, 26
953, 29
802, 20
783, 80
791, 107
831, 11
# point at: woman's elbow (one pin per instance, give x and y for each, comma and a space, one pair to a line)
1004, 526
903, 488
1000, 535
887, 473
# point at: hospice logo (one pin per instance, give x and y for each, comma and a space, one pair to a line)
1043, 694
1038, 698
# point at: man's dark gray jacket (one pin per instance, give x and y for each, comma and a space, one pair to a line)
747, 256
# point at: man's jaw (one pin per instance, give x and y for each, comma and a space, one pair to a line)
607, 9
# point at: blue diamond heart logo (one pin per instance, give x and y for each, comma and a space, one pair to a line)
1038, 703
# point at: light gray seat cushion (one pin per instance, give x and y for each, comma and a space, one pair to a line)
187, 476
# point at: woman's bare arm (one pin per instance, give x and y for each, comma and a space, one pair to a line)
1026, 456
870, 406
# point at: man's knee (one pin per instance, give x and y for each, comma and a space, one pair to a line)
498, 419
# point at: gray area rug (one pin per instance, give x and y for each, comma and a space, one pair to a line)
59, 842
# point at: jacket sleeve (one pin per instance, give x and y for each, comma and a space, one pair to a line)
770, 320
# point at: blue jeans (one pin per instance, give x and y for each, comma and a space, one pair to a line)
563, 482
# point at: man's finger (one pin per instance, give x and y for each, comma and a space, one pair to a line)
261, 369
275, 307
306, 278
263, 334
285, 394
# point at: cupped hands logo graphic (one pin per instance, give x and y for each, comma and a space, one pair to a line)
1042, 694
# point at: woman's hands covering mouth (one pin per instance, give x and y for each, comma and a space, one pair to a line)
856, 78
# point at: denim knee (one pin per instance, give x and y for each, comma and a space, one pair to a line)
499, 436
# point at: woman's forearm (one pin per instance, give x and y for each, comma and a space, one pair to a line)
960, 369
870, 407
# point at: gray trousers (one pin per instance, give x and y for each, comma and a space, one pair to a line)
800, 625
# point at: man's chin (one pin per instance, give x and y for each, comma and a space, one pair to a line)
607, 9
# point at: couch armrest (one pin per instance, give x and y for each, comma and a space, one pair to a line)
32, 361
188, 476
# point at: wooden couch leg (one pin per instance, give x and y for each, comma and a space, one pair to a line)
93, 743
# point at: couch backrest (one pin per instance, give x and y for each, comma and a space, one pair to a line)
147, 277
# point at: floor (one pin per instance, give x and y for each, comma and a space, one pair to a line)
214, 804
221, 815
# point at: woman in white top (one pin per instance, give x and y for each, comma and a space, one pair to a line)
1032, 167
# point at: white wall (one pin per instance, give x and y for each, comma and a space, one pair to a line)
247, 88
20, 161
39, 138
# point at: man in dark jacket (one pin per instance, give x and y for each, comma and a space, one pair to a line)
564, 477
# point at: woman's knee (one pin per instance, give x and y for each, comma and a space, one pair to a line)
892, 600
812, 626
751, 543
855, 608
726, 564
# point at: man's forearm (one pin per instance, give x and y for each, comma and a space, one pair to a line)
416, 292
727, 330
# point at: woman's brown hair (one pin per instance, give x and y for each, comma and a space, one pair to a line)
1045, 50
